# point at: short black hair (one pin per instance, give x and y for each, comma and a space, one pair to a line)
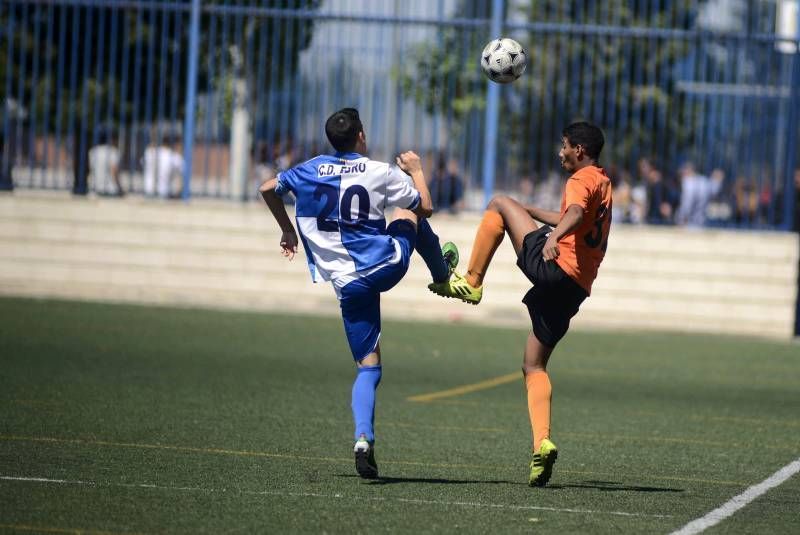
261, 151
103, 135
587, 135
342, 129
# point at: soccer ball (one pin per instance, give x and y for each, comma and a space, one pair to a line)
503, 60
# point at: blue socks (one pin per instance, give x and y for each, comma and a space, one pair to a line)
363, 404
369, 377
431, 252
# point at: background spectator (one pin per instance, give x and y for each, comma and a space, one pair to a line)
745, 195
446, 186
162, 163
660, 196
547, 193
768, 197
263, 163
525, 189
796, 227
696, 192
5, 166
284, 155
720, 208
104, 165
621, 183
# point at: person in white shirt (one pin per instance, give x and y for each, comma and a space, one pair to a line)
696, 192
161, 163
104, 167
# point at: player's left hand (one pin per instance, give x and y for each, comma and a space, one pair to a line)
550, 249
409, 162
289, 244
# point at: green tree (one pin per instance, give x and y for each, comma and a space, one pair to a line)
128, 65
626, 84
575, 70
441, 75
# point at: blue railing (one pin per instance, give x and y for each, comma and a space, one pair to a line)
240, 88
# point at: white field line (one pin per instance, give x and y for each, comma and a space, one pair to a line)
737, 502
335, 497
45, 480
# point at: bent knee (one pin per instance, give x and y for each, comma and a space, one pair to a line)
408, 215
372, 359
497, 202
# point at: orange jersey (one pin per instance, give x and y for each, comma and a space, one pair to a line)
581, 251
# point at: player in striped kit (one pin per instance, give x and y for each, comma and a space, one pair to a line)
340, 203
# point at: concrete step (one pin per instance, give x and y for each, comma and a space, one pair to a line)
503, 302
216, 263
120, 239
218, 217
221, 254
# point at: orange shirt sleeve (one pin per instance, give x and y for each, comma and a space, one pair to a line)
577, 192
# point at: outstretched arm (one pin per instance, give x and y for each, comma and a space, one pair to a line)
410, 163
548, 217
571, 220
276, 206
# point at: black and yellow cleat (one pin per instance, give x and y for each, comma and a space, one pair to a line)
458, 288
542, 464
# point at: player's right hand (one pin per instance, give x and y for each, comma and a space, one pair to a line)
409, 162
550, 249
289, 244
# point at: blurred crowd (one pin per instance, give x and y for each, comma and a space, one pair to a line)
651, 193
162, 166
693, 198
686, 196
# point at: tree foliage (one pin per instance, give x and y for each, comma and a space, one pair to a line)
578, 68
130, 63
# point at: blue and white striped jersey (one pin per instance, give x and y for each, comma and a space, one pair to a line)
340, 203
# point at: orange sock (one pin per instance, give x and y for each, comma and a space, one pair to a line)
487, 239
539, 395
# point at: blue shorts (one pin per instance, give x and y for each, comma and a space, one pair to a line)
360, 300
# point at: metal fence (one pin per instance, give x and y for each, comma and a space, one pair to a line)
240, 88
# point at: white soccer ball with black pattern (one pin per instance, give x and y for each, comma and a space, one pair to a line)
503, 60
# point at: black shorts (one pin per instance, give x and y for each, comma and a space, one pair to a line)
555, 296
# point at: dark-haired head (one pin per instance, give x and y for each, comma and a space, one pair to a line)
343, 128
103, 136
261, 152
587, 135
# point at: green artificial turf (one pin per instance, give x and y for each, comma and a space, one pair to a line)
155, 420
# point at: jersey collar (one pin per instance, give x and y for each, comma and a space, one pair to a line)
348, 155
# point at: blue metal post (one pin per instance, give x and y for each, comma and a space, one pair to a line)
492, 112
191, 94
791, 147
7, 155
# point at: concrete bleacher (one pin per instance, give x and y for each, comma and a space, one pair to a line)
221, 254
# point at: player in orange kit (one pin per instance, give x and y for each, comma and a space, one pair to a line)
561, 259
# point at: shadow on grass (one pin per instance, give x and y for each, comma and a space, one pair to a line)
607, 486
611, 486
384, 480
